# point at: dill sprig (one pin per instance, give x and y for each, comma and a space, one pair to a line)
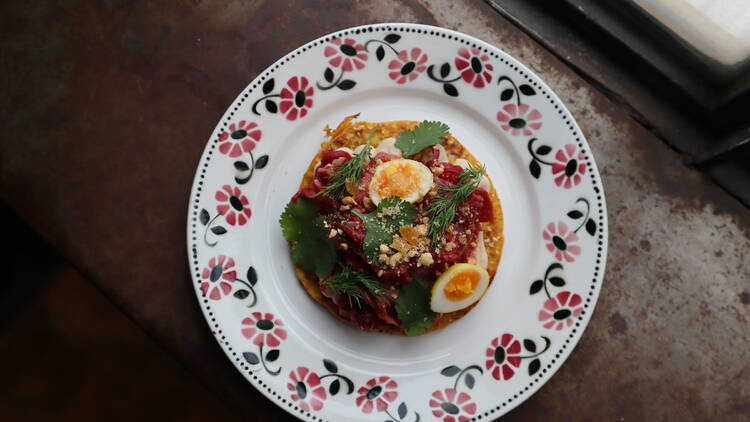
350, 171
349, 281
442, 211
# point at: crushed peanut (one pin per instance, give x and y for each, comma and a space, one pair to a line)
425, 260
348, 200
332, 234
395, 259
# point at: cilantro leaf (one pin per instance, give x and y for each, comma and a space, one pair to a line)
425, 134
413, 307
311, 247
383, 223
296, 218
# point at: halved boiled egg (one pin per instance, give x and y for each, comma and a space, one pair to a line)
457, 288
410, 180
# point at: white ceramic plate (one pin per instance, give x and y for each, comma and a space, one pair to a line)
293, 350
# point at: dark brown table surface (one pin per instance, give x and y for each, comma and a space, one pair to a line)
107, 106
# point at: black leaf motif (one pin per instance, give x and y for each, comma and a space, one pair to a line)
529, 345
268, 86
251, 358
218, 230
330, 366
328, 74
402, 409
534, 366
204, 217
271, 106
241, 166
380, 53
535, 287
591, 227
346, 84
241, 294
392, 38
506, 95
450, 371
469, 381
575, 214
527, 90
261, 161
450, 90
272, 355
543, 150
334, 387
557, 281
349, 385
535, 169
252, 276
445, 69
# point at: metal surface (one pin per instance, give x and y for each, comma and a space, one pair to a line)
108, 105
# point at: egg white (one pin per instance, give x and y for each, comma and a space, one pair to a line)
441, 304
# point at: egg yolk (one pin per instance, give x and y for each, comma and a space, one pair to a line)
398, 180
461, 285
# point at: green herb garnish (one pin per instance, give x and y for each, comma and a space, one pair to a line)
349, 281
413, 307
305, 229
425, 134
383, 223
442, 211
349, 172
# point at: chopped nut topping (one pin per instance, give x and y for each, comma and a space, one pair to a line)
383, 258
396, 259
332, 234
425, 260
384, 248
348, 200
344, 246
345, 208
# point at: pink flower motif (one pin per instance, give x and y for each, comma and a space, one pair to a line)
503, 356
560, 241
296, 98
407, 66
561, 310
452, 406
346, 53
377, 393
233, 205
569, 166
240, 138
306, 389
519, 119
263, 329
474, 67
218, 277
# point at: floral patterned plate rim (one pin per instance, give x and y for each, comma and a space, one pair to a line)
542, 296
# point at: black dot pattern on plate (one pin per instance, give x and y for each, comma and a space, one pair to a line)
569, 342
